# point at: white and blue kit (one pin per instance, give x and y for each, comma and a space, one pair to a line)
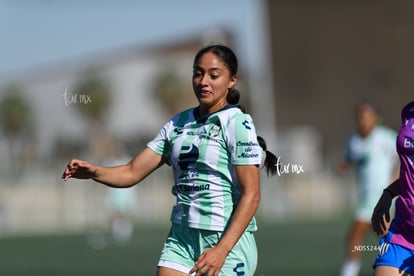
374, 157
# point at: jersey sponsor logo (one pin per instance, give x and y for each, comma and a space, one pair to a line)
248, 155
195, 188
178, 130
239, 269
247, 144
196, 133
188, 157
246, 124
408, 142
187, 162
248, 149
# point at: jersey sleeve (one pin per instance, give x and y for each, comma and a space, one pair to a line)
242, 141
161, 143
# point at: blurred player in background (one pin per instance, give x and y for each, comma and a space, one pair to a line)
121, 202
371, 151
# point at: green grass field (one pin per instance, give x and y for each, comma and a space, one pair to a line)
289, 249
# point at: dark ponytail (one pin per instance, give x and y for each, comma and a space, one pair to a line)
233, 96
271, 160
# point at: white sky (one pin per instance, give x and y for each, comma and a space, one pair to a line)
39, 32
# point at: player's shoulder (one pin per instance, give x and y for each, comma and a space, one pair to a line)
232, 112
183, 116
235, 120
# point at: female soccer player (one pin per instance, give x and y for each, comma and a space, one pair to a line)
396, 256
215, 156
372, 152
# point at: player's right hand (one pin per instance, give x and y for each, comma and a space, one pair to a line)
79, 169
380, 219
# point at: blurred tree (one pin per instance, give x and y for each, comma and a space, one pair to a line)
16, 120
15, 112
174, 93
92, 98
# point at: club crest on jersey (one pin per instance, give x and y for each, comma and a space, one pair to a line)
214, 131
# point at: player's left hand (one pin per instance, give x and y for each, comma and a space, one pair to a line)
79, 169
381, 218
210, 262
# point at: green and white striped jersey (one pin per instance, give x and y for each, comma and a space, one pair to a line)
202, 152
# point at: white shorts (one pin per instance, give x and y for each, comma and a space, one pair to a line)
175, 266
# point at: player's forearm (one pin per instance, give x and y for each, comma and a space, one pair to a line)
242, 217
396, 172
393, 188
117, 177
128, 175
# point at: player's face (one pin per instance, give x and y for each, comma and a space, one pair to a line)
211, 82
366, 119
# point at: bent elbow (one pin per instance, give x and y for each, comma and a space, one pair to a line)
257, 198
254, 199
